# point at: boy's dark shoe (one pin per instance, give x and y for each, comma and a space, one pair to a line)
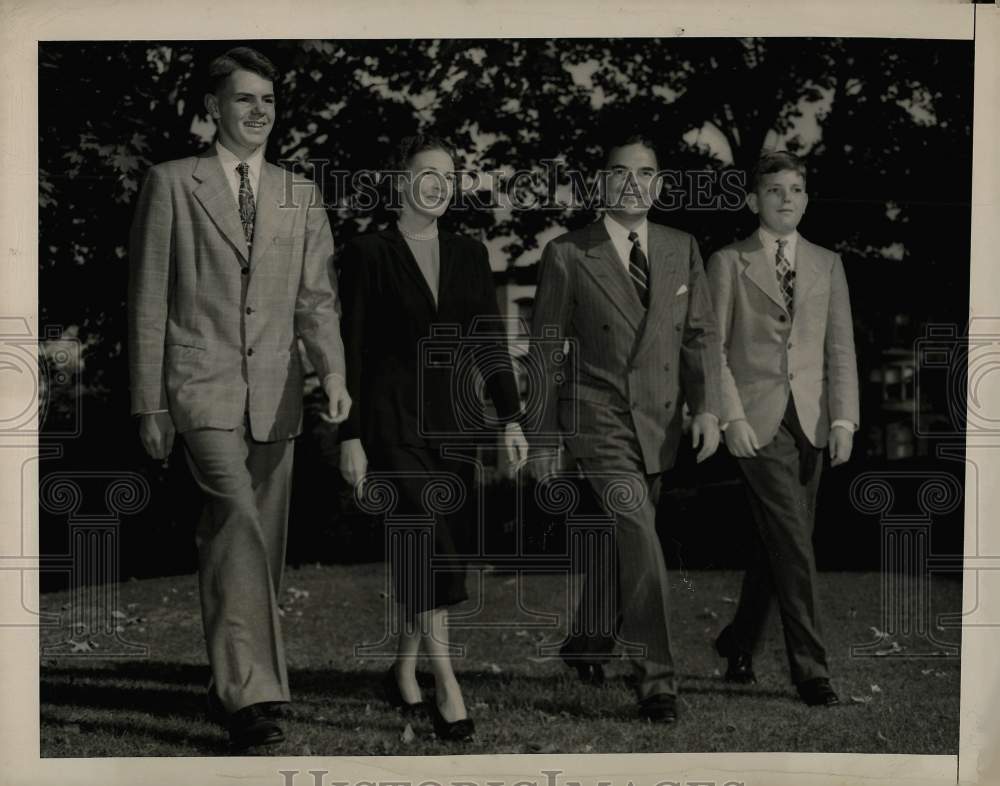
659, 708
740, 669
818, 693
217, 713
251, 726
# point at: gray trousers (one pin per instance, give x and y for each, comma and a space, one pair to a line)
241, 554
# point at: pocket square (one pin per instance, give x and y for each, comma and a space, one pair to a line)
682, 290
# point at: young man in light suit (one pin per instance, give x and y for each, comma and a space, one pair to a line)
230, 263
790, 389
633, 298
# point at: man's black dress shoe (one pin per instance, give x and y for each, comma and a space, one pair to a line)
251, 726
818, 693
395, 697
740, 668
590, 673
217, 713
454, 731
660, 707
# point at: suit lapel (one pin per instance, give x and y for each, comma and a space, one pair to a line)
663, 275
606, 268
268, 217
408, 264
808, 271
759, 268
216, 196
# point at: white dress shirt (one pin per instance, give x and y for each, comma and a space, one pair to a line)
619, 236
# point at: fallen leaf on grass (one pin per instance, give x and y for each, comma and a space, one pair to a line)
707, 613
727, 599
925, 672
495, 669
521, 633
305, 750
876, 689
892, 648
716, 673
119, 615
879, 634
882, 737
537, 747
408, 736
861, 699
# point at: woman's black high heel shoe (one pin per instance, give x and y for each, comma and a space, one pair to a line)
395, 697
454, 731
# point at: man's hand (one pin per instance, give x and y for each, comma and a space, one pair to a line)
705, 429
353, 464
156, 431
741, 440
338, 401
841, 442
516, 444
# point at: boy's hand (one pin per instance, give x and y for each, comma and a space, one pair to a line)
705, 429
841, 442
338, 402
741, 439
156, 432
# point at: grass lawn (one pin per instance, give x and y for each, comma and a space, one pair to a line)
92, 705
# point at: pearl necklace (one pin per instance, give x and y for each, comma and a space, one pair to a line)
430, 235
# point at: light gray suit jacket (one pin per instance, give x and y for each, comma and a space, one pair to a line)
769, 354
212, 326
624, 359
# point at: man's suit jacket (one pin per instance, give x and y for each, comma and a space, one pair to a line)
769, 354
390, 317
212, 326
623, 358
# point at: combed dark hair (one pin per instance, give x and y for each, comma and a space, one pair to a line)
240, 57
777, 161
409, 146
616, 141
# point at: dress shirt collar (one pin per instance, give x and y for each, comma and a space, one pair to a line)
770, 243
619, 236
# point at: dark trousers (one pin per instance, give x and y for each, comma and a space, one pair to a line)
624, 596
241, 554
782, 481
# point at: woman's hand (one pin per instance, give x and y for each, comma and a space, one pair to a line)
353, 464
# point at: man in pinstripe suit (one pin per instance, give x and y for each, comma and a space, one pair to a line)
632, 295
230, 263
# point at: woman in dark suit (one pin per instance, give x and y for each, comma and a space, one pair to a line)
412, 295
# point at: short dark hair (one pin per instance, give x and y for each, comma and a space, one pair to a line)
239, 58
776, 161
614, 142
410, 146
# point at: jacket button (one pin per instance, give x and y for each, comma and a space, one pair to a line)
250, 352
249, 310
791, 376
605, 327
666, 367
782, 318
669, 404
789, 344
245, 271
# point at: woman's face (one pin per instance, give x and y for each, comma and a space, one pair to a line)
430, 183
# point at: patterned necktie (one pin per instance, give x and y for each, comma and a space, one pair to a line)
247, 208
638, 269
786, 276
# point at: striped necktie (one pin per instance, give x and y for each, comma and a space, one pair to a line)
638, 269
247, 207
786, 276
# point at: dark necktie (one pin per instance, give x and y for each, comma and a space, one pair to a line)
638, 269
786, 276
247, 208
